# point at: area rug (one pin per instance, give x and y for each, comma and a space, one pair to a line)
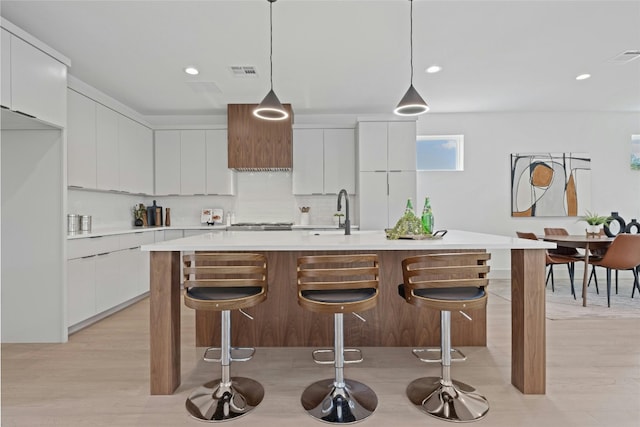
560, 304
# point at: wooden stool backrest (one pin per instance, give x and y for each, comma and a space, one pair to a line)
447, 270
337, 272
224, 270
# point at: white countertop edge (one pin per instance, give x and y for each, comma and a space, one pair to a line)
302, 240
114, 231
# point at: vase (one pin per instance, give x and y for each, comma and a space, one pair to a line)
304, 218
610, 229
594, 229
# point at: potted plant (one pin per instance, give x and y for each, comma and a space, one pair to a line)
595, 222
337, 218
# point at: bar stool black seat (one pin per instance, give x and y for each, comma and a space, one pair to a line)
446, 282
224, 282
338, 284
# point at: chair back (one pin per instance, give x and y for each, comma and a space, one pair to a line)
445, 271
240, 274
623, 253
525, 235
560, 250
338, 274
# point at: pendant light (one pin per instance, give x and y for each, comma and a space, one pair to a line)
411, 103
270, 108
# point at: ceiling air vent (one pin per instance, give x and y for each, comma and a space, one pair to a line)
626, 56
244, 71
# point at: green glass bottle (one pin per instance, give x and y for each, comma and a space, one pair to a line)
409, 208
427, 217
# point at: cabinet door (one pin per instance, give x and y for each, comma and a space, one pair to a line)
5, 69
81, 140
131, 263
107, 152
144, 264
308, 165
372, 197
372, 146
339, 161
144, 160
192, 162
401, 149
173, 234
167, 155
220, 179
126, 153
81, 289
109, 285
402, 186
38, 83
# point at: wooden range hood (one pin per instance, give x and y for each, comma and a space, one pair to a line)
255, 144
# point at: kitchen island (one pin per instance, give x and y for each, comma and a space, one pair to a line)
279, 322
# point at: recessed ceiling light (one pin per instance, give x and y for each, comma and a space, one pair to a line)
583, 76
433, 69
191, 70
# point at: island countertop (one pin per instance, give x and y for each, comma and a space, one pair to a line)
303, 240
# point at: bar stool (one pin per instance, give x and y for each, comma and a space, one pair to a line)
446, 282
224, 282
338, 284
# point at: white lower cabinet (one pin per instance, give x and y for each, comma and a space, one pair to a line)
110, 289
81, 290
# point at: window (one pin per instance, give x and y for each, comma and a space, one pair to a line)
440, 153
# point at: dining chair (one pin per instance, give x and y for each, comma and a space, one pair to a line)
623, 254
552, 259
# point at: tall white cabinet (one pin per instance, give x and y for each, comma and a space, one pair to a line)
387, 171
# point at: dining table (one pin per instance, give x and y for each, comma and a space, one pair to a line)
582, 241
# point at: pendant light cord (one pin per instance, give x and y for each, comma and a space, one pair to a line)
411, 38
271, 43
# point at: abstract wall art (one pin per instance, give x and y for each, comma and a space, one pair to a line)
550, 184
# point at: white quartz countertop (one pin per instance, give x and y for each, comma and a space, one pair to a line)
301, 240
120, 230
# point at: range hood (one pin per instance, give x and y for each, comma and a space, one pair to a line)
255, 144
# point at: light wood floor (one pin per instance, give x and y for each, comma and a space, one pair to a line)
101, 376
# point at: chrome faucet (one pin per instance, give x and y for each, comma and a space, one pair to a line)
347, 221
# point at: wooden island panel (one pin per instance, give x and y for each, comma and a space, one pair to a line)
281, 322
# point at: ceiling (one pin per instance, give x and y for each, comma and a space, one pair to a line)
346, 57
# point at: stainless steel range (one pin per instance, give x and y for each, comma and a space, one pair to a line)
260, 226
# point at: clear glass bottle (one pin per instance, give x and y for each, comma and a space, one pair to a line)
427, 217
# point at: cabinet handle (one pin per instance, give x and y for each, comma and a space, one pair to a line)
396, 170
88, 256
103, 254
25, 114
5, 107
74, 186
96, 237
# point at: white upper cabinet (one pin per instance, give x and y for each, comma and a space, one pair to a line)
385, 146
38, 82
135, 153
5, 70
339, 161
308, 163
192, 162
372, 146
401, 149
81, 141
107, 152
220, 179
323, 161
167, 162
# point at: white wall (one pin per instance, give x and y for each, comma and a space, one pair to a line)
479, 198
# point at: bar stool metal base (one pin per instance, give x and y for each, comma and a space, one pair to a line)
339, 405
216, 401
457, 402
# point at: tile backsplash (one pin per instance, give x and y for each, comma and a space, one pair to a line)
260, 197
